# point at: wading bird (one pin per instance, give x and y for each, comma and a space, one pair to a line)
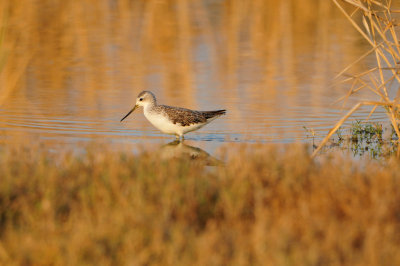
172, 120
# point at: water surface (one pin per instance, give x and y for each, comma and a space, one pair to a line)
75, 70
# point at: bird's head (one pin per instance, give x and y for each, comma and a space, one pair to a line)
144, 99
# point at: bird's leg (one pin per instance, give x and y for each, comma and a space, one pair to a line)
183, 138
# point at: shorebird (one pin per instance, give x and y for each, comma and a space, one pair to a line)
172, 120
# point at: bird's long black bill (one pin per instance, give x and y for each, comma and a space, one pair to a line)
133, 109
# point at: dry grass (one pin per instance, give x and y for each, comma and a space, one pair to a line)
378, 24
267, 206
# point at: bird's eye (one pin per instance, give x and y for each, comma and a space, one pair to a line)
141, 99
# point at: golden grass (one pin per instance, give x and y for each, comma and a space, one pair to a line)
378, 24
266, 206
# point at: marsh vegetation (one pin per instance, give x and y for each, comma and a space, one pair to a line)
271, 205
377, 23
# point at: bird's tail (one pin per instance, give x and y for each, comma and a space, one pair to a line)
212, 114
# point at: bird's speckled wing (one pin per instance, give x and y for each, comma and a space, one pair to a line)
183, 116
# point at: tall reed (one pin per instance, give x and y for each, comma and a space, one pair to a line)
377, 23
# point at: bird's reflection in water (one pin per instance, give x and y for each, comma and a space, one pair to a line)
179, 150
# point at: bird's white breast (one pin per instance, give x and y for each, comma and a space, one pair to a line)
161, 122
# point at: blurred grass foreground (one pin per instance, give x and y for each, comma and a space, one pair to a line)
265, 206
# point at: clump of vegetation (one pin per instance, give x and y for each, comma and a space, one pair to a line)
377, 24
365, 138
267, 204
366, 131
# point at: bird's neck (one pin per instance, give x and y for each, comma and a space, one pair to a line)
149, 106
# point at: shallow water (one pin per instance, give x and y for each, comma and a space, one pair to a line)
271, 64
